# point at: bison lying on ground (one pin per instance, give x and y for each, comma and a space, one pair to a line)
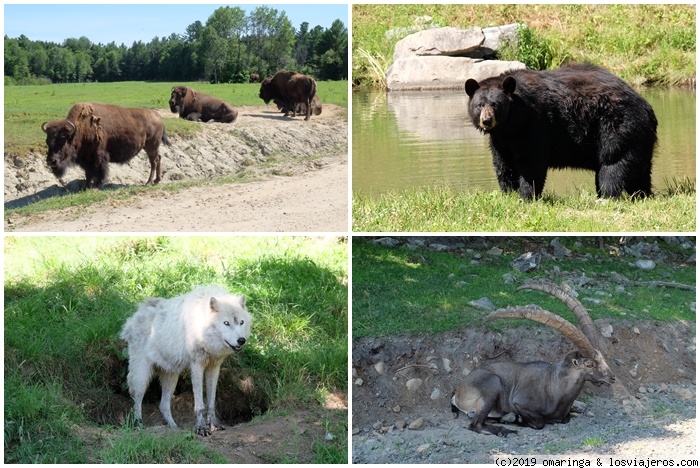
95, 134
196, 106
289, 88
300, 107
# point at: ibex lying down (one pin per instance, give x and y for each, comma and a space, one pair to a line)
538, 392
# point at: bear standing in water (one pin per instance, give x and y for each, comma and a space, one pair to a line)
579, 116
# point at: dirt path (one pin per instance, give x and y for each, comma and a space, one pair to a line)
303, 167
648, 413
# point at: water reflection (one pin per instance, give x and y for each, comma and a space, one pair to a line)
413, 139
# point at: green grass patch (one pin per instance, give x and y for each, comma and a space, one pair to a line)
641, 43
67, 298
405, 291
445, 209
27, 107
139, 447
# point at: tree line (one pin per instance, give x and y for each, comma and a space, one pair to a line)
228, 48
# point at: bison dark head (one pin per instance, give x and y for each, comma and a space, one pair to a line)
268, 91
177, 97
61, 149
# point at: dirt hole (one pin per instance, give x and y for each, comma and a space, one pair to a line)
238, 399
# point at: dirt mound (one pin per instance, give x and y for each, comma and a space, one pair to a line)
261, 144
654, 396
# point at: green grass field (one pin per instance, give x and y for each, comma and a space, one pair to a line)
398, 291
66, 299
444, 209
27, 107
652, 44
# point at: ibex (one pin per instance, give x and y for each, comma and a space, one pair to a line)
537, 392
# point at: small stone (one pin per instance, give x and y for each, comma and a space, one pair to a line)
423, 448
447, 364
396, 409
684, 393
416, 425
359, 382
379, 367
355, 430
400, 424
636, 330
414, 384
435, 394
645, 264
484, 304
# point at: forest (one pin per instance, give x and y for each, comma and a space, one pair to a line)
227, 48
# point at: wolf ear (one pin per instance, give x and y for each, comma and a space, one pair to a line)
242, 299
214, 304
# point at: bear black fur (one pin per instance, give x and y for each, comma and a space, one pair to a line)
578, 116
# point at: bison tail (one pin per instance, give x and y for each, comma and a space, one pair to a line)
165, 138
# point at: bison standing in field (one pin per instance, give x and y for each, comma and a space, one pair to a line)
254, 78
300, 107
196, 106
290, 88
95, 134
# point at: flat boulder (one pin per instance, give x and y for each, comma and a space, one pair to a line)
441, 72
451, 42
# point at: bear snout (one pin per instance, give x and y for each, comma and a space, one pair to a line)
487, 119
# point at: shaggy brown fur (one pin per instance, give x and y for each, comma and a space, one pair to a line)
95, 134
290, 88
193, 105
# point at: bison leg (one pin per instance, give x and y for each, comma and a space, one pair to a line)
308, 109
154, 158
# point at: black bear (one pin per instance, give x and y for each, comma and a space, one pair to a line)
578, 116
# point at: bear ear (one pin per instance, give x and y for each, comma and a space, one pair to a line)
509, 85
470, 87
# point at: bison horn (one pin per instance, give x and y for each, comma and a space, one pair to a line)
547, 318
72, 125
43, 127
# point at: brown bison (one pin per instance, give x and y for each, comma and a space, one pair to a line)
196, 106
95, 134
254, 78
300, 107
290, 88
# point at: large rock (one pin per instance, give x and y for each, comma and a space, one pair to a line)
451, 42
441, 72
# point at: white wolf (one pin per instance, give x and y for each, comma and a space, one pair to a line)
193, 332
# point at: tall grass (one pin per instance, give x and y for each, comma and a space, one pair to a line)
66, 299
641, 43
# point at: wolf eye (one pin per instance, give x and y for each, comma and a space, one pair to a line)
241, 322
227, 324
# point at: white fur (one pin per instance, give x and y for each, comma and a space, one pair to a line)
192, 332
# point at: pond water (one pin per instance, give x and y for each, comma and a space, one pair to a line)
413, 139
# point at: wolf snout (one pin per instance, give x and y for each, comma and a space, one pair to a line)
241, 341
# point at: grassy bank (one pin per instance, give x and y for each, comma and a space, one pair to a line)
408, 291
444, 209
66, 299
644, 44
27, 107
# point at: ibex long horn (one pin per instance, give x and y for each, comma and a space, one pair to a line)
584, 320
552, 320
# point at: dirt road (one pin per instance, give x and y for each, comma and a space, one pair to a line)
303, 167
